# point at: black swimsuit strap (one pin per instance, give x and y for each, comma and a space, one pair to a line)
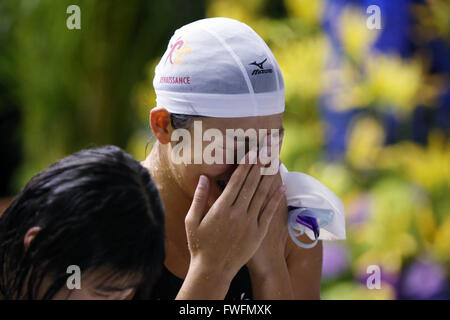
168, 285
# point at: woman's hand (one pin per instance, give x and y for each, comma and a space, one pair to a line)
224, 239
273, 246
268, 268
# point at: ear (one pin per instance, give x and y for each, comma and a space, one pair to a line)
29, 236
160, 124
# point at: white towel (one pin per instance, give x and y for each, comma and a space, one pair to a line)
304, 191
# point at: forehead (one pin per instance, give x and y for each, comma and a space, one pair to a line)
105, 277
262, 122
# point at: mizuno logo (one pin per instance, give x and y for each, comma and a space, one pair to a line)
261, 69
260, 64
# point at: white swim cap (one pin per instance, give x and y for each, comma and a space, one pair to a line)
219, 67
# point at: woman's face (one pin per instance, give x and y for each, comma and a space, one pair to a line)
187, 174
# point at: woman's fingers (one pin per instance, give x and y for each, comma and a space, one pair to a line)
261, 195
271, 208
199, 203
238, 177
277, 182
249, 187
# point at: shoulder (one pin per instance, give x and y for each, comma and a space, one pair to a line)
305, 268
293, 252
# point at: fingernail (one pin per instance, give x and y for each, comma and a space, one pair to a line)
203, 180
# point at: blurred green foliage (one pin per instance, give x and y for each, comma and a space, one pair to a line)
74, 87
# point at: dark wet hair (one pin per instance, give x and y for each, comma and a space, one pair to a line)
97, 208
182, 121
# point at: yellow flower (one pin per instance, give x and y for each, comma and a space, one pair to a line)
308, 11
365, 143
442, 241
355, 36
243, 11
333, 175
429, 166
356, 291
426, 223
302, 63
393, 82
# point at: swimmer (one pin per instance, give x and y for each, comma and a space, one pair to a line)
98, 210
234, 82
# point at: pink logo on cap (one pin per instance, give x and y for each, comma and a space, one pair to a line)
178, 50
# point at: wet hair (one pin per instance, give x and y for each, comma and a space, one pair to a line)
98, 209
182, 121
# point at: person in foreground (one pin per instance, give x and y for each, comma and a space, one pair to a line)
219, 72
98, 210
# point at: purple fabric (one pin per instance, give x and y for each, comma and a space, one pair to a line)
307, 221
